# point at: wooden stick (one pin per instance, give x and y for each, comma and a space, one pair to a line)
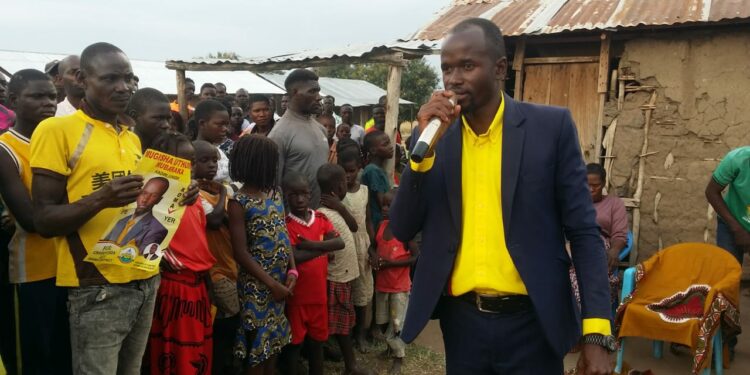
602, 89
181, 99
518, 68
391, 114
639, 186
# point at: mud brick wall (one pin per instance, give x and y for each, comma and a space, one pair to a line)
702, 80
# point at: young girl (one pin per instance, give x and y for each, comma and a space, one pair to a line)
356, 203
262, 249
181, 339
393, 284
378, 150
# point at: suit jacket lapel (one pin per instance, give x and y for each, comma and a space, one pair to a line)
452, 171
513, 139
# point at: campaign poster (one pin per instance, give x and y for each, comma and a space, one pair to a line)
141, 231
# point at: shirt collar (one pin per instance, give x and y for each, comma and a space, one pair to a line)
19, 135
302, 221
124, 121
496, 128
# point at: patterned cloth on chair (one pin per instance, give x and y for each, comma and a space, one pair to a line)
682, 295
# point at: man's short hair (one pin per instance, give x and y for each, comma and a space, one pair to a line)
297, 76
91, 52
143, 97
217, 84
206, 108
207, 85
254, 98
22, 78
493, 37
329, 176
188, 79
378, 106
163, 181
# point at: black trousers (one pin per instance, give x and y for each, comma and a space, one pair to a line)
486, 343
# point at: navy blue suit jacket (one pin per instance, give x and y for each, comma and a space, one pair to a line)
545, 199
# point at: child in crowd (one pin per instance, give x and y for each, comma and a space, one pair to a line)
212, 122
343, 131
181, 339
313, 238
343, 268
392, 284
356, 203
330, 124
378, 150
262, 248
224, 272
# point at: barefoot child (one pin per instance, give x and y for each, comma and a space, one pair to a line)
261, 245
180, 342
343, 268
356, 203
313, 238
392, 284
224, 273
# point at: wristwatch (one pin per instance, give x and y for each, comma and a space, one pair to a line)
607, 342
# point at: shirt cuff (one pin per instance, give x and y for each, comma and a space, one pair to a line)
597, 325
424, 166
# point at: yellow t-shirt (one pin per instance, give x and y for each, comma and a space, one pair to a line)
89, 153
32, 257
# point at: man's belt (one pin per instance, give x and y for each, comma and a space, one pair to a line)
498, 304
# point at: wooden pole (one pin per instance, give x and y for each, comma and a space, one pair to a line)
602, 90
641, 172
181, 99
391, 114
518, 68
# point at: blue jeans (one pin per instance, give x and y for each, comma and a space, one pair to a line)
725, 240
109, 326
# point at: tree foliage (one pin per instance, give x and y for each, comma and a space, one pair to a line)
418, 80
228, 55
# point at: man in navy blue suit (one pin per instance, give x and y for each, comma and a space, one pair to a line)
496, 200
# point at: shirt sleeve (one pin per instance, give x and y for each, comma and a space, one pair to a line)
619, 229
424, 166
728, 169
49, 148
282, 156
597, 325
327, 226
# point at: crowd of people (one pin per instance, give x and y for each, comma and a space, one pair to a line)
284, 245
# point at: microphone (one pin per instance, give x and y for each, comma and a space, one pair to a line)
427, 138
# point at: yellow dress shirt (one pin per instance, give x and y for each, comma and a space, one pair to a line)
483, 263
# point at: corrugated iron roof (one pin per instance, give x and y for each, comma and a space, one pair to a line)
357, 93
150, 73
534, 17
411, 49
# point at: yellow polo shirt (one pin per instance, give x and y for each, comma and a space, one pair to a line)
89, 153
483, 263
32, 257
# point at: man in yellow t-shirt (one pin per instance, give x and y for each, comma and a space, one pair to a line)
82, 166
495, 201
41, 316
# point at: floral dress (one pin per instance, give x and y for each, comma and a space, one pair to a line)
264, 329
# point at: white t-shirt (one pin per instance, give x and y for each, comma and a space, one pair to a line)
64, 108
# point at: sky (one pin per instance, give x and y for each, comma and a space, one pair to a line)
169, 29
